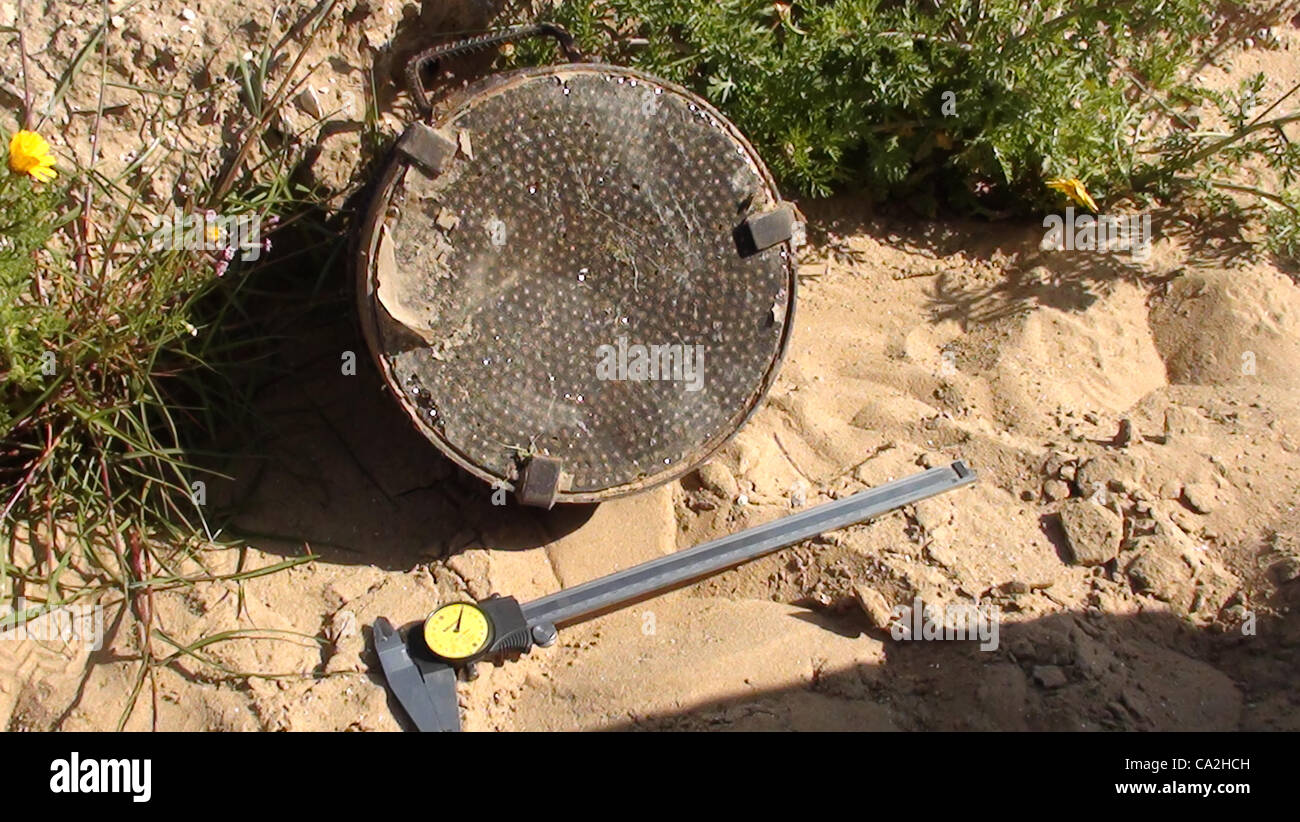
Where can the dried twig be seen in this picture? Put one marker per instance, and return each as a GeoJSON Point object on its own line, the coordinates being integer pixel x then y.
{"type": "Point", "coordinates": [22, 56]}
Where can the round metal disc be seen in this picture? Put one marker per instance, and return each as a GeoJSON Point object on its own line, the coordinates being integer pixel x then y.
{"type": "Point", "coordinates": [565, 275]}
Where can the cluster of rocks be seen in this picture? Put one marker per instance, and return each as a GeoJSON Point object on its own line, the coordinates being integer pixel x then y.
{"type": "Point", "coordinates": [1110, 521]}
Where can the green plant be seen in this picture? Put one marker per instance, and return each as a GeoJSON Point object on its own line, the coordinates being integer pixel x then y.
{"type": "Point", "coordinates": [1245, 160]}
{"type": "Point", "coordinates": [972, 104]}
{"type": "Point", "coordinates": [123, 358]}
{"type": "Point", "coordinates": [1283, 225]}
{"type": "Point", "coordinates": [853, 92]}
{"type": "Point", "coordinates": [28, 219]}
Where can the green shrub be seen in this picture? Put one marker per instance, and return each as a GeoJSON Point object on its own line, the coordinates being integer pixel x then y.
{"type": "Point", "coordinates": [28, 219]}
{"type": "Point", "coordinates": [102, 338]}
{"type": "Point", "coordinates": [127, 361]}
{"type": "Point", "coordinates": [850, 94]}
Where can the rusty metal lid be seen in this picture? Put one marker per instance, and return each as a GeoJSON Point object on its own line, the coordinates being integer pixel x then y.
{"type": "Point", "coordinates": [579, 280]}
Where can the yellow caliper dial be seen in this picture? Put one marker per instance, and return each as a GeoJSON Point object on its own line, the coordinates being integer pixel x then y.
{"type": "Point", "coordinates": [457, 631]}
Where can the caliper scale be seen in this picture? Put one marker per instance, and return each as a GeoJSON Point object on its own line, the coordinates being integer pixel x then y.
{"type": "Point", "coordinates": [421, 662]}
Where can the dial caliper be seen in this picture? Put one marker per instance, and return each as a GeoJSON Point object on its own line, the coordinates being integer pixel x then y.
{"type": "Point", "coordinates": [421, 661]}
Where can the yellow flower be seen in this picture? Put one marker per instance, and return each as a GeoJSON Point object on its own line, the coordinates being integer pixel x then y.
{"type": "Point", "coordinates": [1074, 189]}
{"type": "Point", "coordinates": [30, 154]}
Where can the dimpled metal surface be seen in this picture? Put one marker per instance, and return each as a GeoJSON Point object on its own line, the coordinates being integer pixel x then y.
{"type": "Point", "coordinates": [584, 204]}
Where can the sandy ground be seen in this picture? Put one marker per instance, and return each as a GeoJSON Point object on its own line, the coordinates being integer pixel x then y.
{"type": "Point", "coordinates": [1124, 567]}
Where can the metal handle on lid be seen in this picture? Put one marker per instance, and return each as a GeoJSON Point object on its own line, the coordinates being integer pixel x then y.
{"type": "Point", "coordinates": [418, 64]}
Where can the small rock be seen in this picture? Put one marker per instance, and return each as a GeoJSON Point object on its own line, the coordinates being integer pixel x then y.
{"type": "Point", "coordinates": [874, 606]}
{"type": "Point", "coordinates": [748, 456]}
{"type": "Point", "coordinates": [1125, 435]}
{"type": "Point", "coordinates": [306, 100]}
{"type": "Point", "coordinates": [1121, 486]}
{"type": "Point", "coordinates": [1162, 577]}
{"type": "Point", "coordinates": [1199, 497]}
{"type": "Point", "coordinates": [1118, 471]}
{"type": "Point", "coordinates": [1049, 676]}
{"type": "Point", "coordinates": [1056, 489]}
{"type": "Point", "coordinates": [1061, 465]}
{"type": "Point", "coordinates": [1185, 521]}
{"type": "Point", "coordinates": [334, 598]}
{"type": "Point", "coordinates": [1092, 533]}
{"type": "Point", "coordinates": [715, 477]}
{"type": "Point", "coordinates": [834, 538]}
{"type": "Point", "coordinates": [342, 625]}
{"type": "Point", "coordinates": [799, 494]}
{"type": "Point", "coordinates": [447, 219]}
{"type": "Point", "coordinates": [698, 503]}
{"type": "Point", "coordinates": [1180, 420]}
